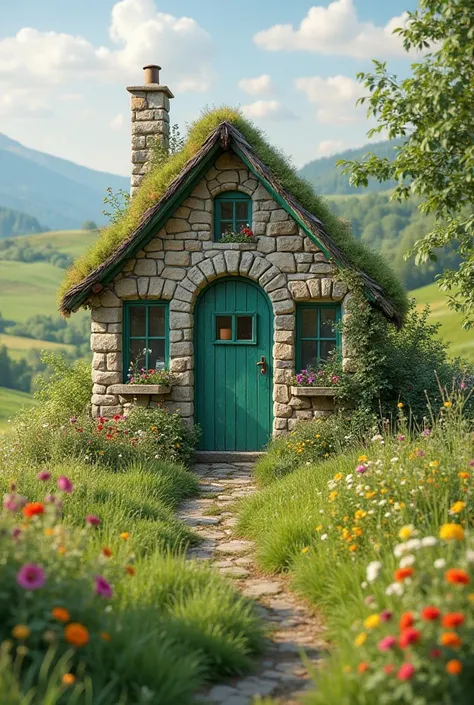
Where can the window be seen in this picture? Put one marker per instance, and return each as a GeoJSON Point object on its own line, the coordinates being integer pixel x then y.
{"type": "Point", "coordinates": [316, 335]}
{"type": "Point", "coordinates": [235, 328]}
{"type": "Point", "coordinates": [145, 334]}
{"type": "Point", "coordinates": [232, 211]}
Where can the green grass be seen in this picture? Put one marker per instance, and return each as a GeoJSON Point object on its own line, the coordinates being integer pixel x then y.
{"type": "Point", "coordinates": [461, 342]}
{"type": "Point", "coordinates": [11, 402]}
{"type": "Point", "coordinates": [28, 289]}
{"type": "Point", "coordinates": [69, 242]}
{"type": "Point", "coordinates": [18, 347]}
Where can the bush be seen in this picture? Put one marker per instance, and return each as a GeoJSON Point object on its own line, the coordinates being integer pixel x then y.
{"type": "Point", "coordinates": [67, 392]}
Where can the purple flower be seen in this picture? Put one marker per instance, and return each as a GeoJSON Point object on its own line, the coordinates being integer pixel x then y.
{"type": "Point", "coordinates": [65, 484]}
{"type": "Point", "coordinates": [31, 576]}
{"type": "Point", "coordinates": [400, 437]}
{"type": "Point", "coordinates": [387, 643]}
{"type": "Point", "coordinates": [43, 475]}
{"type": "Point", "coordinates": [16, 532]}
{"type": "Point", "coordinates": [73, 419]}
{"type": "Point", "coordinates": [426, 432]}
{"type": "Point", "coordinates": [50, 499]}
{"type": "Point", "coordinates": [92, 520]}
{"type": "Point", "coordinates": [13, 502]}
{"type": "Point", "coordinates": [471, 463]}
{"type": "Point", "coordinates": [103, 587]}
{"type": "Point", "coordinates": [361, 469]}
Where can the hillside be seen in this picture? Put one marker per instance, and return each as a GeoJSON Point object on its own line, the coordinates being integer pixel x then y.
{"type": "Point", "coordinates": [14, 223]}
{"type": "Point", "coordinates": [326, 178]}
{"type": "Point", "coordinates": [11, 401]}
{"type": "Point", "coordinates": [55, 191]}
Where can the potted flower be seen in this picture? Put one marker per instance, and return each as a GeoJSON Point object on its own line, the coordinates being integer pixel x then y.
{"type": "Point", "coordinates": [141, 380]}
{"type": "Point", "coordinates": [322, 380]}
{"type": "Point", "coordinates": [245, 234]}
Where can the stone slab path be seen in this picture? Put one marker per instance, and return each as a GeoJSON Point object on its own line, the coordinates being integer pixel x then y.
{"type": "Point", "coordinates": [291, 626]}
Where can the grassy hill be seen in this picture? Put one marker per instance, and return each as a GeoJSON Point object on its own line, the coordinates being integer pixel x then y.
{"type": "Point", "coordinates": [11, 402]}
{"type": "Point", "coordinates": [18, 346]}
{"type": "Point", "coordinates": [461, 342]}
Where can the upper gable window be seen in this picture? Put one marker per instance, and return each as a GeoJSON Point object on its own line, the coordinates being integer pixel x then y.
{"type": "Point", "coordinates": [232, 211]}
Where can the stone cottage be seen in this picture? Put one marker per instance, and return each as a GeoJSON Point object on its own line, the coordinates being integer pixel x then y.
{"type": "Point", "coordinates": [233, 321]}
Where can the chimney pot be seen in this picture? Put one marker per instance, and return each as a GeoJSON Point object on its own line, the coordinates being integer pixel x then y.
{"type": "Point", "coordinates": [152, 74]}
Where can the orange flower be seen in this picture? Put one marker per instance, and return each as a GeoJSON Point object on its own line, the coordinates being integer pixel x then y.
{"type": "Point", "coordinates": [33, 509]}
{"type": "Point", "coordinates": [450, 639]}
{"type": "Point", "coordinates": [406, 620]}
{"type": "Point", "coordinates": [124, 535]}
{"type": "Point", "coordinates": [429, 614]}
{"type": "Point", "coordinates": [76, 634]}
{"type": "Point", "coordinates": [402, 573]}
{"type": "Point", "coordinates": [130, 570]}
{"type": "Point", "coordinates": [105, 636]}
{"type": "Point", "coordinates": [69, 679]}
{"type": "Point", "coordinates": [106, 551]}
{"type": "Point", "coordinates": [62, 550]}
{"type": "Point", "coordinates": [452, 620]}
{"type": "Point", "coordinates": [61, 614]}
{"type": "Point", "coordinates": [454, 667]}
{"type": "Point", "coordinates": [363, 667]}
{"type": "Point", "coordinates": [463, 475]}
{"type": "Point", "coordinates": [457, 576]}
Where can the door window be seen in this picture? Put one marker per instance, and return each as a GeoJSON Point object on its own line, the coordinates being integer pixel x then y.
{"type": "Point", "coordinates": [234, 328]}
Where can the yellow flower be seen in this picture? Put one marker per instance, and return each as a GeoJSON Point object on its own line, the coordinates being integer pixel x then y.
{"type": "Point", "coordinates": [48, 532]}
{"type": "Point", "coordinates": [319, 527]}
{"type": "Point", "coordinates": [332, 496]}
{"type": "Point", "coordinates": [434, 464]}
{"type": "Point", "coordinates": [338, 476]}
{"type": "Point", "coordinates": [372, 621]}
{"type": "Point", "coordinates": [360, 639]}
{"type": "Point", "coordinates": [68, 678]}
{"type": "Point", "coordinates": [346, 669]}
{"type": "Point", "coordinates": [400, 405]}
{"type": "Point", "coordinates": [406, 531]}
{"type": "Point", "coordinates": [457, 507]}
{"type": "Point", "coordinates": [470, 597]}
{"type": "Point", "coordinates": [21, 631]}
{"type": "Point", "coordinates": [305, 549]}
{"type": "Point", "coordinates": [353, 547]}
{"type": "Point", "coordinates": [362, 459]}
{"type": "Point", "coordinates": [450, 532]}
{"type": "Point", "coordinates": [369, 495]}
{"type": "Point", "coordinates": [447, 404]}
{"type": "Point", "coordinates": [360, 514]}
{"type": "Point", "coordinates": [124, 535]}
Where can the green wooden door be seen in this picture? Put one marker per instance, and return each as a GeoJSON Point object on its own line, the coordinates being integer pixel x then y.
{"type": "Point", "coordinates": [233, 399]}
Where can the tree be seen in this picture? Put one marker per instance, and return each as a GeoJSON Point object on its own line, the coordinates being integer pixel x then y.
{"type": "Point", "coordinates": [89, 225]}
{"type": "Point", "coordinates": [432, 111]}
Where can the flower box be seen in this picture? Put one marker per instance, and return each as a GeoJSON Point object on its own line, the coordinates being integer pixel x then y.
{"type": "Point", "coordinates": [313, 391]}
{"type": "Point", "coordinates": [139, 389]}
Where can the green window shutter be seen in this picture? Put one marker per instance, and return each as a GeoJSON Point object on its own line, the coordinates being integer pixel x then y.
{"type": "Point", "coordinates": [232, 210]}
{"type": "Point", "coordinates": [145, 334]}
{"type": "Point", "coordinates": [316, 332]}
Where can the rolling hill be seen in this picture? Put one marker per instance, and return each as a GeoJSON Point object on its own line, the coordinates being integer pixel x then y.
{"type": "Point", "coordinates": [57, 192]}
{"type": "Point", "coordinates": [14, 223]}
{"type": "Point", "coordinates": [11, 402]}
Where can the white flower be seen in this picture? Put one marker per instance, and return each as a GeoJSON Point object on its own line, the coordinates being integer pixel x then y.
{"type": "Point", "coordinates": [372, 571]}
{"type": "Point", "coordinates": [439, 563]}
{"type": "Point", "coordinates": [403, 482]}
{"type": "Point", "coordinates": [349, 477]}
{"type": "Point", "coordinates": [324, 537]}
{"type": "Point", "coordinates": [400, 549]}
{"type": "Point", "coordinates": [382, 503]}
{"type": "Point", "coordinates": [364, 585]}
{"type": "Point", "coordinates": [387, 515]}
{"type": "Point", "coordinates": [377, 437]}
{"type": "Point", "coordinates": [413, 544]}
{"type": "Point", "coordinates": [394, 589]}
{"type": "Point", "coordinates": [394, 460]}
{"type": "Point", "coordinates": [371, 511]}
{"type": "Point", "coordinates": [407, 560]}
{"type": "Point", "coordinates": [470, 556]}
{"type": "Point", "coordinates": [429, 541]}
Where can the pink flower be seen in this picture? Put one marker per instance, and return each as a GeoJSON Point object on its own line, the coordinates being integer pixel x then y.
{"type": "Point", "coordinates": [386, 615]}
{"type": "Point", "coordinates": [361, 469]}
{"type": "Point", "coordinates": [31, 576]}
{"type": "Point", "coordinates": [43, 475]}
{"type": "Point", "coordinates": [401, 437]}
{"type": "Point", "coordinates": [405, 672]}
{"type": "Point", "coordinates": [103, 587]}
{"type": "Point", "coordinates": [92, 520]}
{"type": "Point", "coordinates": [65, 484]}
{"type": "Point", "coordinates": [13, 502]}
{"type": "Point", "coordinates": [73, 419]}
{"type": "Point", "coordinates": [335, 379]}
{"type": "Point", "coordinates": [387, 643]}
{"type": "Point", "coordinates": [471, 463]}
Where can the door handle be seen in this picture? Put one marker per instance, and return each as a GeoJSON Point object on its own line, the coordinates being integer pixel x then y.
{"type": "Point", "coordinates": [262, 364]}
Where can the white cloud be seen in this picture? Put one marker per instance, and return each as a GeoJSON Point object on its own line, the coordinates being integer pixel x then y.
{"type": "Point", "coordinates": [141, 35]}
{"type": "Point", "coordinates": [117, 123]}
{"type": "Point", "coordinates": [22, 102]}
{"type": "Point", "coordinates": [335, 30]}
{"type": "Point", "coordinates": [268, 109]}
{"type": "Point", "coordinates": [335, 96]}
{"type": "Point", "coordinates": [261, 85]}
{"type": "Point", "coordinates": [328, 147]}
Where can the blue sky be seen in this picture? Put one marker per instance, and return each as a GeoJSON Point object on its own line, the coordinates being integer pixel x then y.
{"type": "Point", "coordinates": [291, 66]}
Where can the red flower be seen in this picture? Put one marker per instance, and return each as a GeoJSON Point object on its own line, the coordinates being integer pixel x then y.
{"type": "Point", "coordinates": [388, 669]}
{"type": "Point", "coordinates": [100, 426]}
{"type": "Point", "coordinates": [429, 614]}
{"type": "Point", "coordinates": [402, 573]}
{"type": "Point", "coordinates": [406, 672]}
{"type": "Point", "coordinates": [409, 636]}
{"type": "Point", "coordinates": [457, 576]}
{"type": "Point", "coordinates": [453, 619]}
{"type": "Point", "coordinates": [435, 653]}
{"type": "Point", "coordinates": [406, 620]}
{"type": "Point", "coordinates": [33, 509]}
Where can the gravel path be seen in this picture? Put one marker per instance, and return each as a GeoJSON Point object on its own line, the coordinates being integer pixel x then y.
{"type": "Point", "coordinates": [292, 628]}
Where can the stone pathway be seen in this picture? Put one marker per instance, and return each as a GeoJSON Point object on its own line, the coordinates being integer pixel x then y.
{"type": "Point", "coordinates": [292, 628]}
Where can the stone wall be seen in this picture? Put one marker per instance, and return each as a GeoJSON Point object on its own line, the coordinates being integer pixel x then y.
{"type": "Point", "coordinates": [183, 258]}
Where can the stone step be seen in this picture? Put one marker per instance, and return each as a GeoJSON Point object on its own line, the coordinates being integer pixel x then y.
{"type": "Point", "coordinates": [227, 456]}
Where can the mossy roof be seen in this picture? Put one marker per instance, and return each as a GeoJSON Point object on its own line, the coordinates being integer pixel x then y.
{"type": "Point", "coordinates": [167, 185]}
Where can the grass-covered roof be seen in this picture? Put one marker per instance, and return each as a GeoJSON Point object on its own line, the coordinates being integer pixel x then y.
{"type": "Point", "coordinates": [220, 129]}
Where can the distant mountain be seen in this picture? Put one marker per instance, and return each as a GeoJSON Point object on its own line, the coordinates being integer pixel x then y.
{"type": "Point", "coordinates": [327, 178]}
{"type": "Point", "coordinates": [14, 223]}
{"type": "Point", "coordinates": [57, 192]}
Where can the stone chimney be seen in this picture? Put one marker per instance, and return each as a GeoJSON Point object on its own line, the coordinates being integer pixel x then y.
{"type": "Point", "coordinates": [150, 108]}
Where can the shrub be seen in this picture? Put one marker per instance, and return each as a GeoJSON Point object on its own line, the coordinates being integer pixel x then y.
{"type": "Point", "coordinates": [67, 392]}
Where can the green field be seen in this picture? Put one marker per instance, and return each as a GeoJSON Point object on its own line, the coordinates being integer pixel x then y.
{"type": "Point", "coordinates": [461, 342]}
{"type": "Point", "coordinates": [69, 242]}
{"type": "Point", "coordinates": [11, 401]}
{"type": "Point", "coordinates": [18, 347]}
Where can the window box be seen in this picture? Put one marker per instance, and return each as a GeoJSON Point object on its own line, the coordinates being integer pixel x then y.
{"type": "Point", "coordinates": [231, 245]}
{"type": "Point", "coordinates": [313, 391]}
{"type": "Point", "coordinates": [139, 389]}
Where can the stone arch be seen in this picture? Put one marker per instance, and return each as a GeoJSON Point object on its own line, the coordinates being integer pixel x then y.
{"type": "Point", "coordinates": [230, 186]}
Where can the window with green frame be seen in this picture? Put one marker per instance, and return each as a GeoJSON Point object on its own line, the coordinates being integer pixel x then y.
{"type": "Point", "coordinates": [232, 210]}
{"type": "Point", "coordinates": [145, 334]}
{"type": "Point", "coordinates": [316, 334]}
